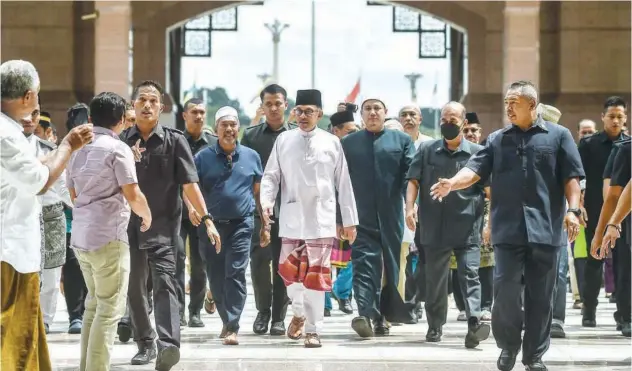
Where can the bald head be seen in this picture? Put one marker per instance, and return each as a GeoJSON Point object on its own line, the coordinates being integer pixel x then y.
{"type": "Point", "coordinates": [455, 107]}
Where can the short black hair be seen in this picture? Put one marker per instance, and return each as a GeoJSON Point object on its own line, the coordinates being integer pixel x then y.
{"type": "Point", "coordinates": [107, 109]}
{"type": "Point", "coordinates": [77, 115]}
{"type": "Point", "coordinates": [614, 101]}
{"type": "Point", "coordinates": [273, 89]}
{"type": "Point", "coordinates": [192, 101]}
{"type": "Point", "coordinates": [155, 84]}
{"type": "Point", "coordinates": [129, 106]}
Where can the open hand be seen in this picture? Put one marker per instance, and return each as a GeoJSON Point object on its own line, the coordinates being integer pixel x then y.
{"type": "Point", "coordinates": [441, 189]}
{"type": "Point", "coordinates": [411, 219]}
{"type": "Point", "coordinates": [571, 225]}
{"type": "Point", "coordinates": [213, 236]}
{"type": "Point", "coordinates": [195, 217]}
{"type": "Point", "coordinates": [609, 240]}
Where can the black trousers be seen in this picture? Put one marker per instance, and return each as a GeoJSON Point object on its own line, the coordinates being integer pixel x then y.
{"type": "Point", "coordinates": [150, 288]}
{"type": "Point", "coordinates": [75, 289]}
{"type": "Point", "coordinates": [437, 277]}
{"type": "Point", "coordinates": [227, 270]}
{"type": "Point", "coordinates": [538, 263]}
{"type": "Point", "coordinates": [486, 276]}
{"type": "Point", "coordinates": [270, 291]}
{"type": "Point", "coordinates": [593, 278]}
{"type": "Point", "coordinates": [197, 280]}
{"type": "Point", "coordinates": [162, 264]}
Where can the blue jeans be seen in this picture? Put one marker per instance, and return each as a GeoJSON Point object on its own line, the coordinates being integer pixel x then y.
{"type": "Point", "coordinates": [342, 286]}
{"type": "Point", "coordinates": [559, 294]}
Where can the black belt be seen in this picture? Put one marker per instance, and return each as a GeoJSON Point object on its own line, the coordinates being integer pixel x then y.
{"type": "Point", "coordinates": [230, 221]}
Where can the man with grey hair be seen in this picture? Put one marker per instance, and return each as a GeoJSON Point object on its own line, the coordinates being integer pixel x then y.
{"type": "Point", "coordinates": [410, 117]}
{"type": "Point", "coordinates": [586, 127]}
{"type": "Point", "coordinates": [24, 177]}
{"type": "Point", "coordinates": [230, 175]}
{"type": "Point", "coordinates": [534, 165]}
{"type": "Point", "coordinates": [455, 226]}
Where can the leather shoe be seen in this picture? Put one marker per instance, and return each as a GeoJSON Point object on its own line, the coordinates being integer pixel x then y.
{"type": "Point", "coordinates": [260, 326]}
{"type": "Point", "coordinates": [345, 306]}
{"type": "Point", "coordinates": [434, 335]}
{"type": "Point", "coordinates": [380, 328]}
{"type": "Point", "coordinates": [167, 358]}
{"type": "Point", "coordinates": [195, 321]}
{"type": "Point", "coordinates": [536, 366]}
{"type": "Point", "coordinates": [146, 353]}
{"type": "Point", "coordinates": [277, 328]}
{"type": "Point", "coordinates": [506, 360]}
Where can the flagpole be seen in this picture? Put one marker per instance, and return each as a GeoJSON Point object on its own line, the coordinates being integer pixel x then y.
{"type": "Point", "coordinates": [313, 44]}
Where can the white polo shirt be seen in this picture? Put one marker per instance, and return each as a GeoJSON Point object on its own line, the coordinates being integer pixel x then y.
{"type": "Point", "coordinates": [22, 176]}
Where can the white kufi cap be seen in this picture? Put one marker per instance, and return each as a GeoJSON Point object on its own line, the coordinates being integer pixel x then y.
{"type": "Point", "coordinates": [226, 111]}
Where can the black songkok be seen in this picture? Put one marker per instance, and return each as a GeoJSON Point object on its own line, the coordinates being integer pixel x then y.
{"type": "Point", "coordinates": [309, 97]}
{"type": "Point", "coordinates": [340, 118]}
{"type": "Point", "coordinates": [471, 118]}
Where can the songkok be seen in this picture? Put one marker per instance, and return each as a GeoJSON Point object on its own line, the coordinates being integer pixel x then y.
{"type": "Point", "coordinates": [45, 119]}
{"type": "Point", "coordinates": [226, 112]}
{"type": "Point", "coordinates": [472, 118]}
{"type": "Point", "coordinates": [377, 99]}
{"type": "Point", "coordinates": [393, 124]}
{"type": "Point", "coordinates": [549, 113]}
{"type": "Point", "coordinates": [311, 97]}
{"type": "Point", "coordinates": [340, 118]}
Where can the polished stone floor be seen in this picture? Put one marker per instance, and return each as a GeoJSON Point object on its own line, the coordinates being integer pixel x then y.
{"type": "Point", "coordinates": [601, 348]}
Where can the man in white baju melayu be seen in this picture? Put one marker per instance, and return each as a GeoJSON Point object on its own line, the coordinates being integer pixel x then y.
{"type": "Point", "coordinates": [309, 166]}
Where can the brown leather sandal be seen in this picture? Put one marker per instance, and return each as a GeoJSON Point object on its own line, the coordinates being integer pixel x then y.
{"type": "Point", "coordinates": [231, 339]}
{"type": "Point", "coordinates": [224, 332]}
{"type": "Point", "coordinates": [312, 341]}
{"type": "Point", "coordinates": [295, 329]}
{"type": "Point", "coordinates": [209, 305]}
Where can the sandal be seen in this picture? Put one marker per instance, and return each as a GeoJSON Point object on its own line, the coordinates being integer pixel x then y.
{"type": "Point", "coordinates": [209, 305]}
{"type": "Point", "coordinates": [231, 339]}
{"type": "Point", "coordinates": [224, 332]}
{"type": "Point", "coordinates": [295, 329]}
{"type": "Point", "coordinates": [312, 341]}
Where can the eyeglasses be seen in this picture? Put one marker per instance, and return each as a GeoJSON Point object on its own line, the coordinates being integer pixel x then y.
{"type": "Point", "coordinates": [473, 130]}
{"type": "Point", "coordinates": [307, 112]}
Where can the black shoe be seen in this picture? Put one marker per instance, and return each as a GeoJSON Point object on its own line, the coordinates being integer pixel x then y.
{"type": "Point", "coordinates": [535, 366]}
{"type": "Point", "coordinates": [146, 353]}
{"type": "Point", "coordinates": [195, 321]}
{"type": "Point", "coordinates": [506, 360]}
{"type": "Point", "coordinates": [589, 322]}
{"type": "Point", "coordinates": [183, 321]}
{"type": "Point", "coordinates": [557, 331]}
{"type": "Point", "coordinates": [612, 299]}
{"type": "Point", "coordinates": [262, 321]}
{"type": "Point", "coordinates": [277, 328]}
{"type": "Point", "coordinates": [124, 332]}
{"type": "Point", "coordinates": [167, 358]}
{"type": "Point", "coordinates": [327, 312]}
{"type": "Point", "coordinates": [476, 332]}
{"type": "Point", "coordinates": [626, 329]}
{"type": "Point", "coordinates": [380, 328]}
{"type": "Point", "coordinates": [344, 305]}
{"type": "Point", "coordinates": [362, 327]}
{"type": "Point", "coordinates": [434, 335]}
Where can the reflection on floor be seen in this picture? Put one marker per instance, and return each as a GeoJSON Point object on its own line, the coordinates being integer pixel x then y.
{"type": "Point", "coordinates": [600, 348]}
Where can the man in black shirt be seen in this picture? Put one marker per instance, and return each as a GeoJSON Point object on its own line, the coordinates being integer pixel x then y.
{"type": "Point", "coordinates": [454, 225]}
{"type": "Point", "coordinates": [270, 293]}
{"type": "Point", "coordinates": [594, 151]}
{"type": "Point", "coordinates": [620, 171]}
{"type": "Point", "coordinates": [534, 165]}
{"type": "Point", "coordinates": [194, 119]}
{"type": "Point", "coordinates": [164, 167]}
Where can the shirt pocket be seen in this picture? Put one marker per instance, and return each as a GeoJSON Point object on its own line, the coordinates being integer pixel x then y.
{"type": "Point", "coordinates": [544, 158]}
{"type": "Point", "coordinates": [159, 166]}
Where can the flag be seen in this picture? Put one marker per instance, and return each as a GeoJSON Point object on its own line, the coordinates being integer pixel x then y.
{"type": "Point", "coordinates": [351, 98]}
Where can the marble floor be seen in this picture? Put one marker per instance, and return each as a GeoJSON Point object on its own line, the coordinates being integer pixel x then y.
{"type": "Point", "coordinates": [601, 348]}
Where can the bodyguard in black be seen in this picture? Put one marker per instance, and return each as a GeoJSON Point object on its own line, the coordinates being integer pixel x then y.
{"type": "Point", "coordinates": [230, 175]}
{"type": "Point", "coordinates": [453, 225]}
{"type": "Point", "coordinates": [164, 167]}
{"type": "Point", "coordinates": [594, 151]}
{"type": "Point", "coordinates": [194, 119]}
{"type": "Point", "coordinates": [533, 165]}
{"type": "Point", "coordinates": [268, 286]}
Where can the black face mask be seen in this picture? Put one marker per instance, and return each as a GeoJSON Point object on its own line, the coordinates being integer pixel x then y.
{"type": "Point", "coordinates": [450, 131]}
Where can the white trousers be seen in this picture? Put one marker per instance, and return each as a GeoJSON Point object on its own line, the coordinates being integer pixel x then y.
{"type": "Point", "coordinates": [571, 269]}
{"type": "Point", "coordinates": [309, 304]}
{"type": "Point", "coordinates": [49, 293]}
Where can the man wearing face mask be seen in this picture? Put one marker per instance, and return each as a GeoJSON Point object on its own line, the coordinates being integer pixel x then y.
{"type": "Point", "coordinates": [378, 160]}
{"type": "Point", "coordinates": [454, 225]}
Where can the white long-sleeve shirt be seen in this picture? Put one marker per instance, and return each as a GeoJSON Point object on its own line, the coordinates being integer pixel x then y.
{"type": "Point", "coordinates": [58, 192]}
{"type": "Point", "coordinates": [309, 167]}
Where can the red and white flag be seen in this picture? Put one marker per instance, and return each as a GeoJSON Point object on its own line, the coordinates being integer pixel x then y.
{"type": "Point", "coordinates": [351, 98]}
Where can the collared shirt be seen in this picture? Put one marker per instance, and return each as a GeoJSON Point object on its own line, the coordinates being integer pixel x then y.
{"type": "Point", "coordinates": [22, 177]}
{"type": "Point", "coordinates": [308, 168]}
{"type": "Point", "coordinates": [204, 141]}
{"type": "Point", "coordinates": [621, 177]}
{"type": "Point", "coordinates": [529, 170]}
{"type": "Point", "coordinates": [607, 170]}
{"type": "Point", "coordinates": [594, 151]}
{"type": "Point", "coordinates": [97, 172]}
{"type": "Point", "coordinates": [227, 184]}
{"type": "Point", "coordinates": [457, 221]}
{"type": "Point", "coordinates": [58, 192]}
{"type": "Point", "coordinates": [165, 166]}
{"type": "Point", "coordinates": [261, 138]}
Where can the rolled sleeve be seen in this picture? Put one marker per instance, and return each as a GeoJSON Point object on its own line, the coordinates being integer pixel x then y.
{"type": "Point", "coordinates": [570, 162]}
{"type": "Point", "coordinates": [124, 166]}
{"type": "Point", "coordinates": [20, 169]}
{"type": "Point", "coordinates": [185, 167]}
{"type": "Point", "coordinates": [482, 163]}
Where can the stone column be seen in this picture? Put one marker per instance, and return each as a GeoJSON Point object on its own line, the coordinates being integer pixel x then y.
{"type": "Point", "coordinates": [111, 62]}
{"type": "Point", "coordinates": [521, 42]}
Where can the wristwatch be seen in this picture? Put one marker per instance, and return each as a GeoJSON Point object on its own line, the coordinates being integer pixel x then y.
{"type": "Point", "coordinates": [577, 212]}
{"type": "Point", "coordinates": [617, 227]}
{"type": "Point", "coordinates": [207, 217]}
